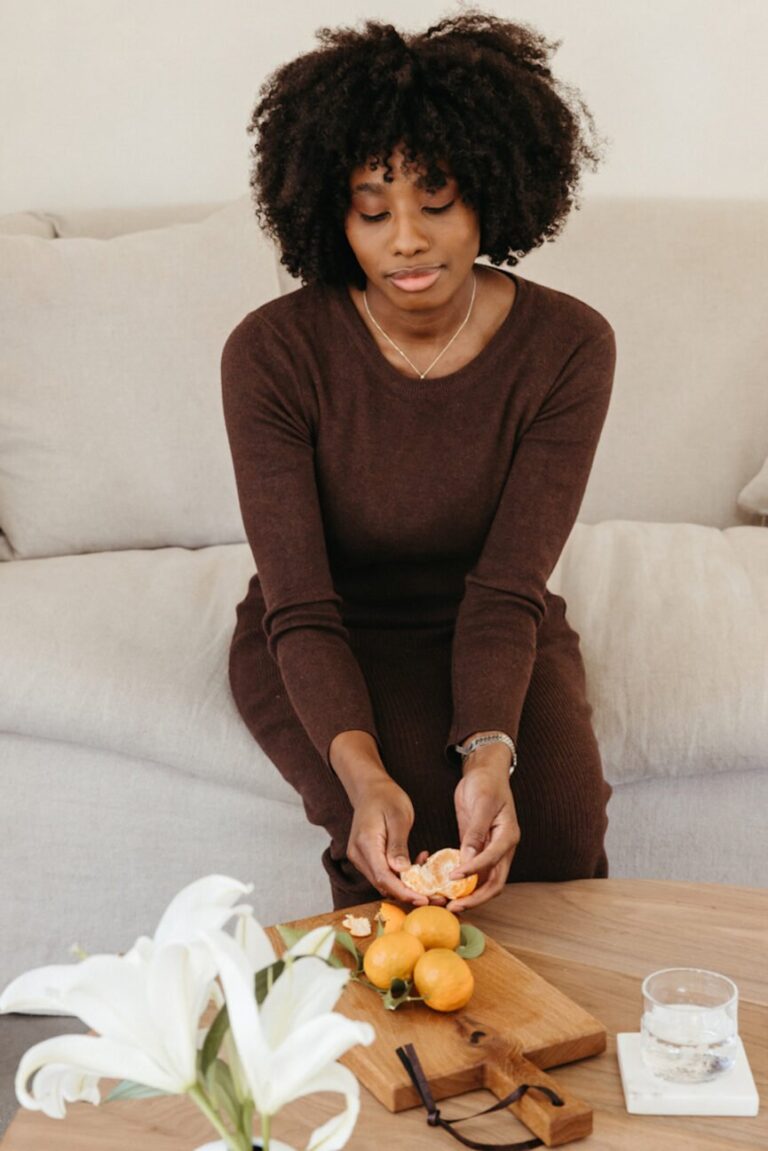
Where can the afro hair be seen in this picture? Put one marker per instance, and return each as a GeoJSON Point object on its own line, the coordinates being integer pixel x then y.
{"type": "Point", "coordinates": [473, 90]}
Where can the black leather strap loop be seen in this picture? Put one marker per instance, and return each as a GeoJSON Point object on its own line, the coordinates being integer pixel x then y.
{"type": "Point", "coordinates": [410, 1061]}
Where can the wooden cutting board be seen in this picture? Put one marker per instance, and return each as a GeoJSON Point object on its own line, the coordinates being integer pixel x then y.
{"type": "Point", "coordinates": [515, 1025]}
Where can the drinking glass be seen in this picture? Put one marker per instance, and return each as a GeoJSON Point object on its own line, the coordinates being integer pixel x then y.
{"type": "Point", "coordinates": [689, 1031]}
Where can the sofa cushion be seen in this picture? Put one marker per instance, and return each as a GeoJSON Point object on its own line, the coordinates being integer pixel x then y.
{"type": "Point", "coordinates": [128, 651]}
{"type": "Point", "coordinates": [754, 497]}
{"type": "Point", "coordinates": [674, 627]}
{"type": "Point", "coordinates": [111, 429]}
{"type": "Point", "coordinates": [27, 224]}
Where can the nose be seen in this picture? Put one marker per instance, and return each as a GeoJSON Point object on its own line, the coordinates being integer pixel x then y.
{"type": "Point", "coordinates": [409, 235]}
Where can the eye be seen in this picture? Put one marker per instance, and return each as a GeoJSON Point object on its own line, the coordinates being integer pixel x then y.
{"type": "Point", "coordinates": [381, 215]}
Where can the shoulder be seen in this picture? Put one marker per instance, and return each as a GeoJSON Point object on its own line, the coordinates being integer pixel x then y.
{"type": "Point", "coordinates": [286, 325]}
{"type": "Point", "coordinates": [567, 319]}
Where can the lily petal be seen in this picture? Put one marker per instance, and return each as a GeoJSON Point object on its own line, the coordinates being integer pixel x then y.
{"type": "Point", "coordinates": [308, 1050]}
{"type": "Point", "coordinates": [178, 989]}
{"type": "Point", "coordinates": [39, 991]}
{"type": "Point", "coordinates": [237, 977]}
{"type": "Point", "coordinates": [110, 996]}
{"type": "Point", "coordinates": [56, 1083]}
{"type": "Point", "coordinates": [96, 1056]}
{"type": "Point", "coordinates": [305, 988]}
{"type": "Point", "coordinates": [334, 1134]}
{"type": "Point", "coordinates": [319, 941]}
{"type": "Point", "coordinates": [204, 905]}
{"type": "Point", "coordinates": [253, 939]}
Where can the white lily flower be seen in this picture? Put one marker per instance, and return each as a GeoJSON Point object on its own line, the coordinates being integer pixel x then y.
{"type": "Point", "coordinates": [146, 1016]}
{"type": "Point", "coordinates": [57, 1083]}
{"type": "Point", "coordinates": [205, 905]}
{"type": "Point", "coordinates": [289, 1046]}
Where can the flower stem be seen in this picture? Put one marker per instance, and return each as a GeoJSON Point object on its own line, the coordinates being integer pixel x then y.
{"type": "Point", "coordinates": [266, 1123]}
{"type": "Point", "coordinates": [233, 1141]}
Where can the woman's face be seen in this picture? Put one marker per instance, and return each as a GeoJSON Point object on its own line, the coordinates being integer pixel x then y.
{"type": "Point", "coordinates": [401, 225]}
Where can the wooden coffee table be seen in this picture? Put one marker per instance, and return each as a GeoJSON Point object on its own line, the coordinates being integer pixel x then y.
{"type": "Point", "coordinates": [595, 940]}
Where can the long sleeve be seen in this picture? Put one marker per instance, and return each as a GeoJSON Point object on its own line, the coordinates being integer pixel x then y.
{"type": "Point", "coordinates": [494, 644]}
{"type": "Point", "coordinates": [270, 426]}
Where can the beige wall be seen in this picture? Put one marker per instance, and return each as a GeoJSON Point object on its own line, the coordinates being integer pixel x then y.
{"type": "Point", "coordinates": [133, 102]}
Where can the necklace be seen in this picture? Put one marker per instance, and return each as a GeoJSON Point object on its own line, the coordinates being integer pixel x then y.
{"type": "Point", "coordinates": [421, 375]}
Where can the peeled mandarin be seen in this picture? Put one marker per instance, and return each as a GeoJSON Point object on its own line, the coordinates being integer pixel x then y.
{"type": "Point", "coordinates": [432, 876]}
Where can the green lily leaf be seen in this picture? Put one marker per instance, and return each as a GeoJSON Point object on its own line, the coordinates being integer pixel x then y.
{"type": "Point", "coordinates": [213, 1040]}
{"type": "Point", "coordinates": [221, 1089]}
{"type": "Point", "coordinates": [265, 978]}
{"type": "Point", "coordinates": [130, 1090]}
{"type": "Point", "coordinates": [472, 942]}
{"type": "Point", "coordinates": [290, 935]}
{"type": "Point", "coordinates": [347, 942]}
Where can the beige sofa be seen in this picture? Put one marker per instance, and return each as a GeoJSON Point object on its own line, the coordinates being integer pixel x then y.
{"type": "Point", "coordinates": [126, 771]}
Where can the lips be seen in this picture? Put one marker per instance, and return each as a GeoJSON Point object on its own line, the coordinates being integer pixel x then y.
{"type": "Point", "coordinates": [416, 280]}
{"type": "Point", "coordinates": [413, 273]}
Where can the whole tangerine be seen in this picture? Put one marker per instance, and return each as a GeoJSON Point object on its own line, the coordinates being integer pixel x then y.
{"type": "Point", "coordinates": [390, 957]}
{"type": "Point", "coordinates": [434, 926]}
{"type": "Point", "coordinates": [443, 979]}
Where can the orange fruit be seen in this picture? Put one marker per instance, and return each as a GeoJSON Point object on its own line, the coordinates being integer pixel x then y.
{"type": "Point", "coordinates": [434, 926]}
{"type": "Point", "coordinates": [443, 979]}
{"type": "Point", "coordinates": [391, 917]}
{"type": "Point", "coordinates": [431, 878]}
{"type": "Point", "coordinates": [391, 956]}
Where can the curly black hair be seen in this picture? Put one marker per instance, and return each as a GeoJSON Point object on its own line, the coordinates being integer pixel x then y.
{"type": "Point", "coordinates": [473, 90]}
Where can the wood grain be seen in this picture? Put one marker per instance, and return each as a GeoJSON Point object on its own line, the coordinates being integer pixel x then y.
{"type": "Point", "coordinates": [592, 939]}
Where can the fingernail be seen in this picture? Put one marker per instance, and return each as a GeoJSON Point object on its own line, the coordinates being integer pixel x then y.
{"type": "Point", "coordinates": [401, 863]}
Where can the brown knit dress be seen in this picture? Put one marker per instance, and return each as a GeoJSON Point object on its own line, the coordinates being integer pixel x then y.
{"type": "Point", "coordinates": [403, 532]}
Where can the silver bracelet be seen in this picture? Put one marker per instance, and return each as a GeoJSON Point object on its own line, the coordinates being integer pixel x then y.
{"type": "Point", "coordinates": [480, 740]}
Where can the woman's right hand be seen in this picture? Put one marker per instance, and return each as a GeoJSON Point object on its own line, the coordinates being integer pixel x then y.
{"type": "Point", "coordinates": [378, 840]}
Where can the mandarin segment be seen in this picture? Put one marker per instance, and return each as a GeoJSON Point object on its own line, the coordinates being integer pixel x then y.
{"type": "Point", "coordinates": [432, 876]}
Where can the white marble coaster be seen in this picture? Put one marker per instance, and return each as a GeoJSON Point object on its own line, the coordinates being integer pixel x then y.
{"type": "Point", "coordinates": [734, 1093]}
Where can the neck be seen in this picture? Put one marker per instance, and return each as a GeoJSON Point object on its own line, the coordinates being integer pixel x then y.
{"type": "Point", "coordinates": [419, 325]}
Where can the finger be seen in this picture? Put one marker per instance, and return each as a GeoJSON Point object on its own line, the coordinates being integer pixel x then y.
{"type": "Point", "coordinates": [500, 847]}
{"type": "Point", "coordinates": [492, 885]}
{"type": "Point", "coordinates": [388, 882]}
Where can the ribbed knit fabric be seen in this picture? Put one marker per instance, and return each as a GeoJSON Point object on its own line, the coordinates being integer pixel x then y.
{"type": "Point", "coordinates": [403, 532]}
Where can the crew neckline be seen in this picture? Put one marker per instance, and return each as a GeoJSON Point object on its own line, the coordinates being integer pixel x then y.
{"type": "Point", "coordinates": [378, 360]}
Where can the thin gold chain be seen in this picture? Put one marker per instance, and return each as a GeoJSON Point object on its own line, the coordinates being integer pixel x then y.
{"type": "Point", "coordinates": [421, 375]}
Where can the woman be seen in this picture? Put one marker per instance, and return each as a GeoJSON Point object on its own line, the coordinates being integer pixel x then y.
{"type": "Point", "coordinates": [412, 433]}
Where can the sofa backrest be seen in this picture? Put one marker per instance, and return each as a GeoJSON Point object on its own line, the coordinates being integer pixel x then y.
{"type": "Point", "coordinates": [685, 285]}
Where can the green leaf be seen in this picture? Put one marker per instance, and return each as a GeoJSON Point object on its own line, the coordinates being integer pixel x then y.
{"type": "Point", "coordinates": [347, 942]}
{"type": "Point", "coordinates": [265, 978]}
{"type": "Point", "coordinates": [399, 992]}
{"type": "Point", "coordinates": [472, 942]}
{"type": "Point", "coordinates": [221, 1090]}
{"type": "Point", "coordinates": [290, 935]}
{"type": "Point", "coordinates": [130, 1090]}
{"type": "Point", "coordinates": [213, 1040]}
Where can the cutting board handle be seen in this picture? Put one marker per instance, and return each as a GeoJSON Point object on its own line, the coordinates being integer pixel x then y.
{"type": "Point", "coordinates": [554, 1123]}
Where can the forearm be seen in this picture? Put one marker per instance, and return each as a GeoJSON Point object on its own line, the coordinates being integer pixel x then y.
{"type": "Point", "coordinates": [355, 757]}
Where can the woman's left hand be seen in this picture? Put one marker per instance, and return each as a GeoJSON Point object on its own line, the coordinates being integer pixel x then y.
{"type": "Point", "coordinates": [488, 829]}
